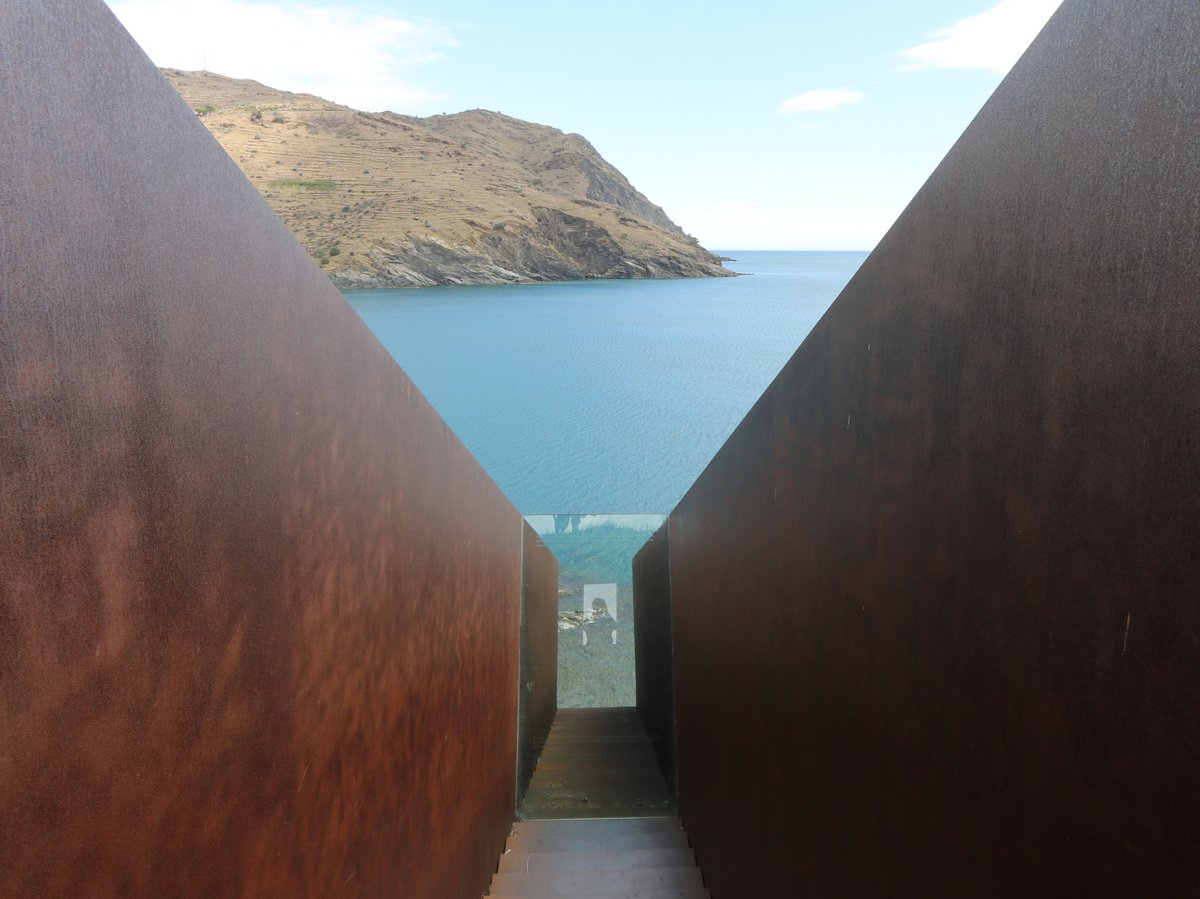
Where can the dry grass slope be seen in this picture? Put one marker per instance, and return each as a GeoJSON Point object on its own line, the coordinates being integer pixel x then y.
{"type": "Point", "coordinates": [381, 199]}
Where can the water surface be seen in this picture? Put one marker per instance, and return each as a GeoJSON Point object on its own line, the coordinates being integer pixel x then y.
{"type": "Point", "coordinates": [604, 396]}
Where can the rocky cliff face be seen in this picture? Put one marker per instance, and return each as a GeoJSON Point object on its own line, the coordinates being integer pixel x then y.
{"type": "Point", "coordinates": [556, 247]}
{"type": "Point", "coordinates": [477, 197]}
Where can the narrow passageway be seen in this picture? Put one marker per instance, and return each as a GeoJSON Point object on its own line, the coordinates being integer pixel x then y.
{"type": "Point", "coordinates": [598, 819]}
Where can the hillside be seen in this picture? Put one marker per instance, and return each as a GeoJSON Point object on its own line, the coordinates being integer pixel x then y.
{"type": "Point", "coordinates": [381, 199]}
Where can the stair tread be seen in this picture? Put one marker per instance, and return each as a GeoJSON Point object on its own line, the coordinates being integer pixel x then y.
{"type": "Point", "coordinates": [597, 763]}
{"type": "Point", "coordinates": [561, 787]}
{"type": "Point", "coordinates": [585, 793]}
{"type": "Point", "coordinates": [629, 859]}
{"type": "Point", "coordinates": [600, 819]}
{"type": "Point", "coordinates": [602, 772]}
{"type": "Point", "coordinates": [590, 748]}
{"type": "Point", "coordinates": [537, 827]}
{"type": "Point", "coordinates": [605, 842]}
{"type": "Point", "coordinates": [560, 754]}
{"type": "Point", "coordinates": [566, 812]}
{"type": "Point", "coordinates": [602, 766]}
{"type": "Point", "coordinates": [600, 778]}
{"type": "Point", "coordinates": [594, 893]}
{"type": "Point", "coordinates": [641, 743]}
{"type": "Point", "coordinates": [530, 891]}
{"type": "Point", "coordinates": [603, 878]}
{"type": "Point", "coordinates": [629, 737]}
{"type": "Point", "coordinates": [616, 758]}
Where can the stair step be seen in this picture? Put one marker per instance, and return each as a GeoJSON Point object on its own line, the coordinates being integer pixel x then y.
{"type": "Point", "coordinates": [602, 772]}
{"type": "Point", "coordinates": [573, 810]}
{"type": "Point", "coordinates": [585, 830]}
{"type": "Point", "coordinates": [625, 746]}
{"type": "Point", "coordinates": [604, 822]}
{"type": "Point", "coordinates": [611, 842]}
{"type": "Point", "coordinates": [600, 793]}
{"type": "Point", "coordinates": [560, 755]}
{"type": "Point", "coordinates": [603, 769]}
{"type": "Point", "coordinates": [585, 793]}
{"type": "Point", "coordinates": [610, 762]}
{"type": "Point", "coordinates": [600, 779]}
{"type": "Point", "coordinates": [608, 733]}
{"type": "Point", "coordinates": [618, 893]}
{"type": "Point", "coordinates": [599, 773]}
{"type": "Point", "coordinates": [597, 713]}
{"type": "Point", "coordinates": [592, 887]}
{"type": "Point", "coordinates": [597, 835]}
{"type": "Point", "coordinates": [629, 859]}
{"type": "Point", "coordinates": [563, 757]}
{"type": "Point", "coordinates": [587, 883]}
{"type": "Point", "coordinates": [632, 740]}
{"type": "Point", "coordinates": [605, 729]}
{"type": "Point", "coordinates": [605, 789]}
{"type": "Point", "coordinates": [628, 824]}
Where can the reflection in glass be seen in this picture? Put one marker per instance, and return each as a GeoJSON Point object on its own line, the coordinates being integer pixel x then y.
{"type": "Point", "coordinates": [595, 603]}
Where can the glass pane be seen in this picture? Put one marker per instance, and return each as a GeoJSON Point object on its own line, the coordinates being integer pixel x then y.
{"type": "Point", "coordinates": [595, 603]}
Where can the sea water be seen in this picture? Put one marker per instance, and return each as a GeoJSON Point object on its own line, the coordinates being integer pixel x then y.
{"type": "Point", "coordinates": [604, 396]}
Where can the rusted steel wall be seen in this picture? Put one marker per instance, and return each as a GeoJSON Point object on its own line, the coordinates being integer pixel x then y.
{"type": "Point", "coordinates": [538, 684]}
{"type": "Point", "coordinates": [936, 602]}
{"type": "Point", "coordinates": [259, 619]}
{"type": "Point", "coordinates": [652, 655]}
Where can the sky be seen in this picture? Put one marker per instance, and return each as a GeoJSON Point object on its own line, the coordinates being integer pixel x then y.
{"type": "Point", "coordinates": [763, 124]}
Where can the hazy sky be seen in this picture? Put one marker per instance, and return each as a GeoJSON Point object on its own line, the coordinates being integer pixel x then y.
{"type": "Point", "coordinates": [763, 124]}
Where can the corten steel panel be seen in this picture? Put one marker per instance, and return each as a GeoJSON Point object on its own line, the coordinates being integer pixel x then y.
{"type": "Point", "coordinates": [259, 617]}
{"type": "Point", "coordinates": [538, 685]}
{"type": "Point", "coordinates": [653, 660]}
{"type": "Point", "coordinates": [936, 601]}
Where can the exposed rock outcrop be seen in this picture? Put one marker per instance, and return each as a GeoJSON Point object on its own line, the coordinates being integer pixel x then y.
{"type": "Point", "coordinates": [477, 197]}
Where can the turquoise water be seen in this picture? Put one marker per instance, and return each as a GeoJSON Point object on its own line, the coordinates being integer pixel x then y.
{"type": "Point", "coordinates": [604, 395]}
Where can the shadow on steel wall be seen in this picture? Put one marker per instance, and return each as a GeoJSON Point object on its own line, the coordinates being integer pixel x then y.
{"type": "Point", "coordinates": [538, 685]}
{"type": "Point", "coordinates": [653, 653]}
{"type": "Point", "coordinates": [259, 619]}
{"type": "Point", "coordinates": [937, 600]}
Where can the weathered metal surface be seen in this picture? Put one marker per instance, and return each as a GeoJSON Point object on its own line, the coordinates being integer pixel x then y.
{"type": "Point", "coordinates": [259, 619]}
{"type": "Point", "coordinates": [936, 609]}
{"type": "Point", "coordinates": [655, 666]}
{"type": "Point", "coordinates": [538, 685]}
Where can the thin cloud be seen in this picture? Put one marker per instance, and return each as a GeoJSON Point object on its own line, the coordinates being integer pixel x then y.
{"type": "Point", "coordinates": [360, 58]}
{"type": "Point", "coordinates": [820, 100]}
{"type": "Point", "coordinates": [992, 40]}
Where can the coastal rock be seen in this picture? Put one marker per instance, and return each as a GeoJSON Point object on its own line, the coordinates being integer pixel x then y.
{"type": "Point", "coordinates": [385, 200]}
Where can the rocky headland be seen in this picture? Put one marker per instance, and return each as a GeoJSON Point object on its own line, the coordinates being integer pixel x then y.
{"type": "Point", "coordinates": [386, 200]}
